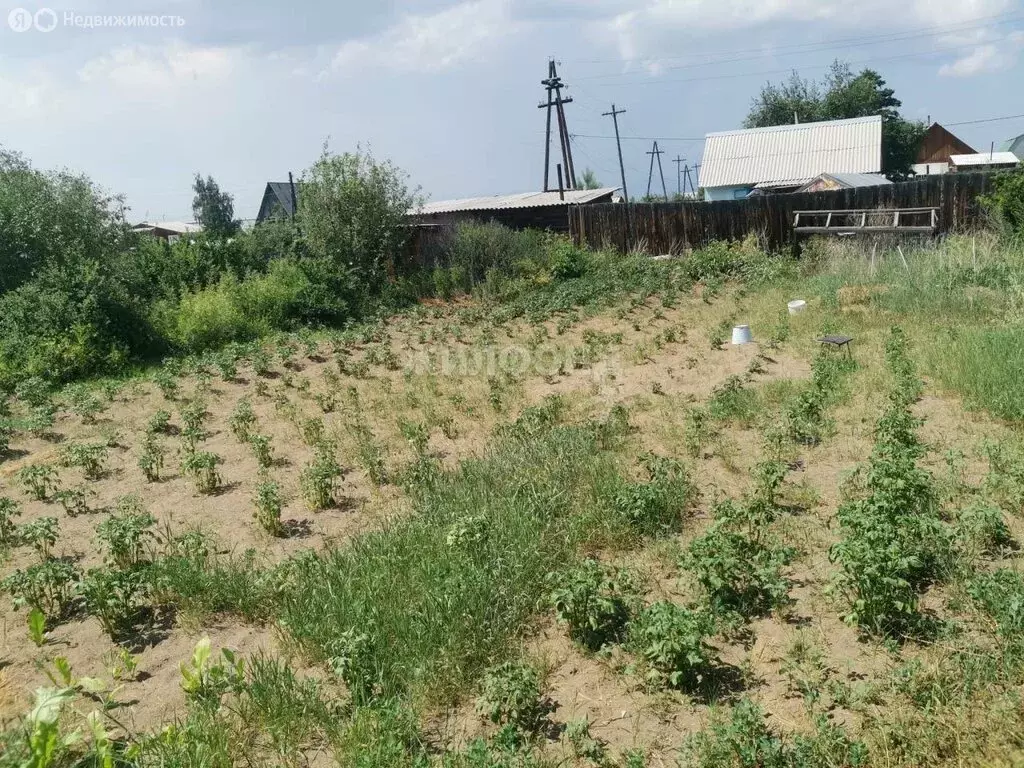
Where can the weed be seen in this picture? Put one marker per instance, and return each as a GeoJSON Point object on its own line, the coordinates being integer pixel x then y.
{"type": "Point", "coordinates": [204, 683]}
{"type": "Point", "coordinates": [734, 402]}
{"type": "Point", "coordinates": [594, 602]}
{"type": "Point", "coordinates": [312, 431]}
{"type": "Point", "coordinates": [656, 506]}
{"type": "Point", "coordinates": [584, 745]}
{"type": "Point", "coordinates": [37, 627]}
{"type": "Point", "coordinates": [671, 644]}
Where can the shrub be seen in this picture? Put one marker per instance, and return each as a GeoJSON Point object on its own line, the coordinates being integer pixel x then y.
{"type": "Point", "coordinates": [511, 695]}
{"type": "Point", "coordinates": [671, 644]}
{"type": "Point", "coordinates": [594, 602]}
{"type": "Point", "coordinates": [1006, 202]}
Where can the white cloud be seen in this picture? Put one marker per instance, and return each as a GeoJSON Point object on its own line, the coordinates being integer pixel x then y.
{"type": "Point", "coordinates": [143, 68]}
{"type": "Point", "coordinates": [430, 43]}
{"type": "Point", "coordinates": [986, 57]}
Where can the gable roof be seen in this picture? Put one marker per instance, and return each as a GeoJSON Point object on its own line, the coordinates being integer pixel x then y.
{"type": "Point", "coordinates": [939, 144]}
{"type": "Point", "coordinates": [792, 153]}
{"type": "Point", "coordinates": [521, 200]}
{"type": "Point", "coordinates": [1015, 145]}
{"type": "Point", "coordinates": [277, 200]}
{"type": "Point", "coordinates": [850, 180]}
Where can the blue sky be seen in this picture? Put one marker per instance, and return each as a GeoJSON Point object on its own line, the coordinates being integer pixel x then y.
{"type": "Point", "coordinates": [448, 90]}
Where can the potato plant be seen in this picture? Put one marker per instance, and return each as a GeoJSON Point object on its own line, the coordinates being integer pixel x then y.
{"type": "Point", "coordinates": [262, 448]}
{"type": "Point", "coordinates": [318, 481]}
{"type": "Point", "coordinates": [594, 602]}
{"type": "Point", "coordinates": [242, 419]}
{"type": "Point", "coordinates": [124, 536]}
{"type": "Point", "coordinates": [38, 480]}
{"type": "Point", "coordinates": [89, 457]}
{"type": "Point", "coordinates": [116, 597]}
{"type": "Point", "coordinates": [159, 423]}
{"type": "Point", "coordinates": [267, 501]}
{"type": "Point", "coordinates": [75, 501]}
{"type": "Point", "coordinates": [202, 468]}
{"type": "Point", "coordinates": [151, 458]}
{"type": "Point", "coordinates": [49, 587]}
{"type": "Point", "coordinates": [9, 511]}
{"type": "Point", "coordinates": [40, 534]}
{"type": "Point", "coordinates": [511, 695]}
{"type": "Point", "coordinates": [671, 644]}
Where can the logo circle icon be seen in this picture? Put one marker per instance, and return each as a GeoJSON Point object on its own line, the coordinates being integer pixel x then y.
{"type": "Point", "coordinates": [19, 20]}
{"type": "Point", "coordinates": [45, 20]}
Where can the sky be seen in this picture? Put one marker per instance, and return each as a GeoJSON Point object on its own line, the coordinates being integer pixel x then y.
{"type": "Point", "coordinates": [448, 90]}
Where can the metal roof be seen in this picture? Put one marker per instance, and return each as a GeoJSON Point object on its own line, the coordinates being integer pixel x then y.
{"type": "Point", "coordinates": [783, 155]}
{"type": "Point", "coordinates": [179, 227]}
{"type": "Point", "coordinates": [851, 180]}
{"type": "Point", "coordinates": [985, 158]}
{"type": "Point", "coordinates": [522, 200]}
{"type": "Point", "coordinates": [1015, 145]}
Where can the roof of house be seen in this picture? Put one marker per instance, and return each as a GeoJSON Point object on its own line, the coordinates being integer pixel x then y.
{"type": "Point", "coordinates": [985, 158]}
{"type": "Point", "coordinates": [522, 200]}
{"type": "Point", "coordinates": [277, 197]}
{"type": "Point", "coordinates": [852, 180]}
{"type": "Point", "coordinates": [785, 155]}
{"type": "Point", "coordinates": [176, 227]}
{"type": "Point", "coordinates": [1015, 145]}
{"type": "Point", "coordinates": [938, 143]}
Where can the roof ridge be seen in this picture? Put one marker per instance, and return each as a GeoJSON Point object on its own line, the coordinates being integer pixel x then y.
{"type": "Point", "coordinates": [798, 126]}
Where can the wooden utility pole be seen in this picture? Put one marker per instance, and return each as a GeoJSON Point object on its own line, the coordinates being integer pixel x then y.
{"type": "Point", "coordinates": [693, 187]}
{"type": "Point", "coordinates": [656, 153]}
{"type": "Point", "coordinates": [679, 174]}
{"type": "Point", "coordinates": [614, 115]}
{"type": "Point", "coordinates": [554, 85]}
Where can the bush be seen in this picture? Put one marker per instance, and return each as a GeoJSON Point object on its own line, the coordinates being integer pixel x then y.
{"type": "Point", "coordinates": [594, 602]}
{"type": "Point", "coordinates": [1006, 203]}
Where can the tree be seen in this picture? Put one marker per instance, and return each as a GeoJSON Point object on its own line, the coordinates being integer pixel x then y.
{"type": "Point", "coordinates": [590, 180]}
{"type": "Point", "coordinates": [842, 95]}
{"type": "Point", "coordinates": [214, 209]}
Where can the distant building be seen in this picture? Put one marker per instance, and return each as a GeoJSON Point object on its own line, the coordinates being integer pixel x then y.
{"type": "Point", "coordinates": [277, 201]}
{"type": "Point", "coordinates": [170, 231]}
{"type": "Point", "coordinates": [830, 181]}
{"type": "Point", "coordinates": [784, 158]}
{"type": "Point", "coordinates": [527, 210]}
{"type": "Point", "coordinates": [983, 161]}
{"type": "Point", "coordinates": [937, 147]}
{"type": "Point", "coordinates": [1014, 145]}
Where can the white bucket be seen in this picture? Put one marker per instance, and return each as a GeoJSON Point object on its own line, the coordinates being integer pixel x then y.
{"type": "Point", "coordinates": [741, 335]}
{"type": "Point", "coordinates": [797, 306]}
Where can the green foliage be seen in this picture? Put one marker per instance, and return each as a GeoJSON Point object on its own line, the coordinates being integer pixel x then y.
{"type": "Point", "coordinates": [318, 481]}
{"type": "Point", "coordinates": [213, 209]}
{"type": "Point", "coordinates": [242, 419]}
{"type": "Point", "coordinates": [733, 401]}
{"type": "Point", "coordinates": [48, 586]}
{"type": "Point", "coordinates": [267, 501]}
{"type": "Point", "coordinates": [263, 449]}
{"type": "Point", "coordinates": [75, 501]}
{"type": "Point", "coordinates": [744, 740]}
{"type": "Point", "coordinates": [1006, 201]}
{"type": "Point", "coordinates": [124, 538]}
{"type": "Point", "coordinates": [842, 95]}
{"type": "Point", "coordinates": [38, 480]}
{"type": "Point", "coordinates": [37, 627]}
{"type": "Point", "coordinates": [84, 402]}
{"type": "Point", "coordinates": [159, 423]}
{"type": "Point", "coordinates": [9, 510]}
{"type": "Point", "coordinates": [594, 601]}
{"type": "Point", "coordinates": [116, 597]}
{"type": "Point", "coordinates": [202, 468]}
{"type": "Point", "coordinates": [151, 458]}
{"type": "Point", "coordinates": [1001, 594]}
{"type": "Point", "coordinates": [40, 534]}
{"type": "Point", "coordinates": [205, 682]}
{"type": "Point", "coordinates": [671, 644]}
{"type": "Point", "coordinates": [658, 505]}
{"type": "Point", "coordinates": [89, 457]}
{"type": "Point", "coordinates": [511, 695]}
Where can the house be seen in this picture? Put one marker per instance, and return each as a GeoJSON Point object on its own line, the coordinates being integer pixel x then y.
{"type": "Point", "coordinates": [783, 158]}
{"type": "Point", "coordinates": [983, 161]}
{"type": "Point", "coordinates": [167, 230]}
{"type": "Point", "coordinates": [278, 201]}
{"type": "Point", "coordinates": [830, 181]}
{"type": "Point", "coordinates": [1014, 145]}
{"type": "Point", "coordinates": [527, 210]}
{"type": "Point", "coordinates": [937, 147]}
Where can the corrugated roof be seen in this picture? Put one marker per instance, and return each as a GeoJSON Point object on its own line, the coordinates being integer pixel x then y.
{"type": "Point", "coordinates": [181, 227]}
{"type": "Point", "coordinates": [1015, 145]}
{"type": "Point", "coordinates": [793, 154]}
{"type": "Point", "coordinates": [985, 158]}
{"type": "Point", "coordinates": [522, 200]}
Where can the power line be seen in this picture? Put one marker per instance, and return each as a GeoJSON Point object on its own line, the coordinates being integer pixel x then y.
{"type": "Point", "coordinates": [963, 26]}
{"type": "Point", "coordinates": [762, 73]}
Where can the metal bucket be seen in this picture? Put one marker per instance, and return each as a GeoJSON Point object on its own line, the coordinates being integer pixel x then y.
{"type": "Point", "coordinates": [741, 335]}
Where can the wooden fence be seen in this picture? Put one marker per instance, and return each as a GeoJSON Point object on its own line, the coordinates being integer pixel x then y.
{"type": "Point", "coordinates": [673, 227]}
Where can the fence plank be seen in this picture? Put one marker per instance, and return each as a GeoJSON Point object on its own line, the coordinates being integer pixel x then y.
{"type": "Point", "coordinates": [671, 227]}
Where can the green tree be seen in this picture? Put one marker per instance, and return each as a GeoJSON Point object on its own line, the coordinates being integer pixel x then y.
{"type": "Point", "coordinates": [841, 95]}
{"type": "Point", "coordinates": [590, 180]}
{"type": "Point", "coordinates": [214, 209]}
